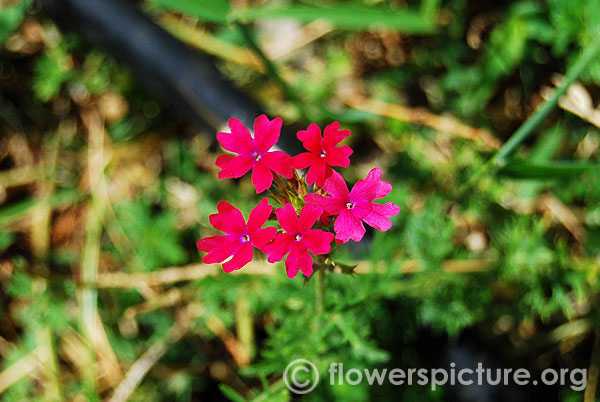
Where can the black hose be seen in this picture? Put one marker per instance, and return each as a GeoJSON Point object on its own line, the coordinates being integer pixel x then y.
{"type": "Point", "coordinates": [177, 75]}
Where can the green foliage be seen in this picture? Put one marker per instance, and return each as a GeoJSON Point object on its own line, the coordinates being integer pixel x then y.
{"type": "Point", "coordinates": [58, 67]}
{"type": "Point", "coordinates": [11, 17]}
{"type": "Point", "coordinates": [451, 302]}
{"type": "Point", "coordinates": [51, 72]}
{"type": "Point", "coordinates": [6, 239]}
{"type": "Point", "coordinates": [46, 302]}
{"type": "Point", "coordinates": [529, 263]}
{"type": "Point", "coordinates": [428, 235]}
{"type": "Point", "coordinates": [11, 213]}
{"type": "Point", "coordinates": [523, 34]}
{"type": "Point", "coordinates": [575, 22]}
{"type": "Point", "coordinates": [152, 236]}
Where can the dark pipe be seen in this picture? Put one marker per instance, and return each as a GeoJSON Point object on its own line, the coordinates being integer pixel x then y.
{"type": "Point", "coordinates": [174, 73]}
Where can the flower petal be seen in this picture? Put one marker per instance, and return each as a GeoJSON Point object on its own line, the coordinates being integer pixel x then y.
{"type": "Point", "coordinates": [278, 248]}
{"type": "Point", "coordinates": [362, 209]}
{"type": "Point", "coordinates": [339, 156]}
{"type": "Point", "coordinates": [207, 244]}
{"type": "Point", "coordinates": [242, 256]}
{"type": "Point", "coordinates": [347, 226]}
{"type": "Point", "coordinates": [316, 172]}
{"type": "Point", "coordinates": [259, 215]}
{"type": "Point", "coordinates": [266, 133]}
{"type": "Point", "coordinates": [288, 219]}
{"type": "Point", "coordinates": [318, 241]}
{"type": "Point", "coordinates": [262, 178]}
{"type": "Point", "coordinates": [332, 135]}
{"type": "Point", "coordinates": [233, 166]}
{"type": "Point", "coordinates": [370, 188]}
{"type": "Point", "coordinates": [311, 138]}
{"type": "Point", "coordinates": [239, 140]}
{"type": "Point", "coordinates": [263, 236]}
{"type": "Point", "coordinates": [279, 162]}
{"type": "Point", "coordinates": [303, 160]}
{"type": "Point", "coordinates": [308, 217]}
{"type": "Point", "coordinates": [291, 266]}
{"type": "Point", "coordinates": [220, 252]}
{"type": "Point", "coordinates": [329, 204]}
{"type": "Point", "coordinates": [379, 217]}
{"type": "Point", "coordinates": [383, 189]}
{"type": "Point", "coordinates": [228, 219]}
{"type": "Point", "coordinates": [336, 187]}
{"type": "Point", "coordinates": [299, 259]}
{"type": "Point", "coordinates": [324, 219]}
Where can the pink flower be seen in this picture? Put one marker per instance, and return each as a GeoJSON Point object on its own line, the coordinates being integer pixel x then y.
{"type": "Point", "coordinates": [357, 206]}
{"type": "Point", "coordinates": [324, 152]}
{"type": "Point", "coordinates": [298, 239]}
{"type": "Point", "coordinates": [253, 153]}
{"type": "Point", "coordinates": [241, 238]}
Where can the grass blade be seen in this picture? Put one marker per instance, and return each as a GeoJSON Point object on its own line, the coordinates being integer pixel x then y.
{"type": "Point", "coordinates": [346, 16]}
{"type": "Point", "coordinates": [585, 58]}
{"type": "Point", "coordinates": [546, 170]}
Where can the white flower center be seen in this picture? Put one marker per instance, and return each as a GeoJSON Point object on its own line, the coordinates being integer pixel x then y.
{"type": "Point", "coordinates": [349, 205]}
{"type": "Point", "coordinates": [298, 237]}
{"type": "Point", "coordinates": [323, 154]}
{"type": "Point", "coordinates": [257, 156]}
{"type": "Point", "coordinates": [246, 238]}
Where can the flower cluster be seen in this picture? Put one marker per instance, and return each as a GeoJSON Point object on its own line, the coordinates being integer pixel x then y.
{"type": "Point", "coordinates": [306, 218]}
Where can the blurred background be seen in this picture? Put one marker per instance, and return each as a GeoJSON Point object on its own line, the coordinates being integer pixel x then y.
{"type": "Point", "coordinates": [108, 116]}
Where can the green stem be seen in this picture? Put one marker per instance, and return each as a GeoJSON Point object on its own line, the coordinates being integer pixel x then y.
{"type": "Point", "coordinates": [320, 295]}
{"type": "Point", "coordinates": [279, 181]}
{"type": "Point", "coordinates": [584, 59]}
{"type": "Point", "coordinates": [498, 160]}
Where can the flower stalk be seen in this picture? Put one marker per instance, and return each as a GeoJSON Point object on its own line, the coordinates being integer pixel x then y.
{"type": "Point", "coordinates": [320, 292]}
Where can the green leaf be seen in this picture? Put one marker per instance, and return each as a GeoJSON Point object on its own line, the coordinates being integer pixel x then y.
{"type": "Point", "coordinates": [51, 71]}
{"type": "Point", "coordinates": [345, 16]}
{"type": "Point", "coordinates": [20, 285]}
{"type": "Point", "coordinates": [346, 267]}
{"type": "Point", "coordinates": [543, 151]}
{"type": "Point", "coordinates": [208, 10]}
{"type": "Point", "coordinates": [153, 236]}
{"type": "Point", "coordinates": [6, 239]}
{"type": "Point", "coordinates": [546, 170]}
{"type": "Point", "coordinates": [231, 394]}
{"type": "Point", "coordinates": [11, 17]}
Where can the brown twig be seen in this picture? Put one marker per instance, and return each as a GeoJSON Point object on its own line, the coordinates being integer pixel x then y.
{"type": "Point", "coordinates": [97, 162]}
{"type": "Point", "coordinates": [23, 367]}
{"type": "Point", "coordinates": [593, 371]}
{"type": "Point", "coordinates": [199, 271]}
{"type": "Point", "coordinates": [422, 117]}
{"type": "Point", "coordinates": [148, 359]}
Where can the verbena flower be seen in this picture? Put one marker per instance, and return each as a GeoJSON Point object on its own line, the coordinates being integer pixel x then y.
{"type": "Point", "coordinates": [323, 152]}
{"type": "Point", "coordinates": [253, 153]}
{"type": "Point", "coordinates": [241, 238]}
{"type": "Point", "coordinates": [298, 239]}
{"type": "Point", "coordinates": [357, 206]}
